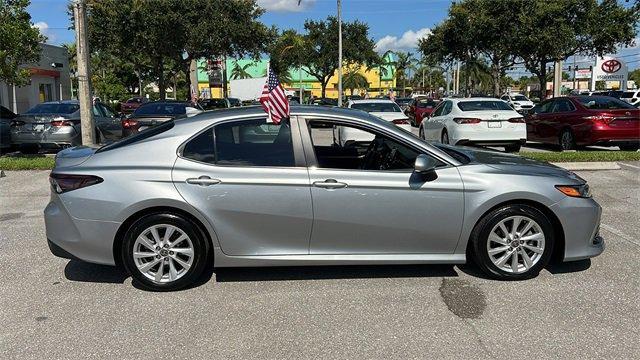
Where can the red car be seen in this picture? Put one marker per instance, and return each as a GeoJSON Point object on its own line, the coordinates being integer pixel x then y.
{"type": "Point", "coordinates": [585, 120]}
{"type": "Point", "coordinates": [419, 109]}
{"type": "Point", "coordinates": [132, 104]}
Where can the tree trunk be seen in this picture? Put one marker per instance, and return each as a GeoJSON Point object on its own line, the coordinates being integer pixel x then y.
{"type": "Point", "coordinates": [495, 74]}
{"type": "Point", "coordinates": [323, 84]}
{"type": "Point", "coordinates": [542, 80]}
{"type": "Point", "coordinates": [162, 89]}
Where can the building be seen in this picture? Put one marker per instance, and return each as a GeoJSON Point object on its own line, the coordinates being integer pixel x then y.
{"type": "Point", "coordinates": [211, 85]}
{"type": "Point", "coordinates": [49, 81]}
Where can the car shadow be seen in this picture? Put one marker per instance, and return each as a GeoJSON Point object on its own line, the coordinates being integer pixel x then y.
{"type": "Point", "coordinates": [332, 272]}
{"type": "Point", "coordinates": [569, 267]}
{"type": "Point", "coordinates": [86, 272]}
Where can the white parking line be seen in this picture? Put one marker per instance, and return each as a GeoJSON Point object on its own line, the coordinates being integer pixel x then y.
{"type": "Point", "coordinates": [629, 165]}
{"type": "Point", "coordinates": [619, 233]}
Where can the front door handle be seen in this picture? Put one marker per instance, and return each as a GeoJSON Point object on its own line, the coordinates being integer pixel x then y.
{"type": "Point", "coordinates": [203, 181]}
{"type": "Point", "coordinates": [330, 184]}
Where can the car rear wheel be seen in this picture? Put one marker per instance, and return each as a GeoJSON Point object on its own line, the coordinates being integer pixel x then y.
{"type": "Point", "coordinates": [445, 137]}
{"type": "Point", "coordinates": [630, 147]}
{"type": "Point", "coordinates": [164, 252]}
{"type": "Point", "coordinates": [513, 242]}
{"type": "Point", "coordinates": [567, 140]}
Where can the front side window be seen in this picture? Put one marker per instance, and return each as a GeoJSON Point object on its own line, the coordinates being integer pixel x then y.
{"type": "Point", "coordinates": [349, 147]}
{"type": "Point", "coordinates": [562, 106]}
{"type": "Point", "coordinates": [243, 143]}
{"type": "Point", "coordinates": [446, 109]}
{"type": "Point", "coordinates": [543, 108]}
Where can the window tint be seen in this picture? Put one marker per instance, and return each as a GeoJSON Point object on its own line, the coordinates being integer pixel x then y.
{"type": "Point", "coordinates": [53, 109]}
{"type": "Point", "coordinates": [107, 112]}
{"type": "Point", "coordinates": [201, 148]}
{"type": "Point", "coordinates": [446, 109]}
{"type": "Point", "coordinates": [628, 94]}
{"type": "Point", "coordinates": [97, 111]}
{"type": "Point", "coordinates": [438, 110]}
{"type": "Point", "coordinates": [253, 143]}
{"type": "Point", "coordinates": [377, 107]}
{"type": "Point", "coordinates": [426, 103]}
{"type": "Point", "coordinates": [160, 108]}
{"type": "Point", "coordinates": [483, 105]}
{"type": "Point", "coordinates": [143, 135]}
{"type": "Point", "coordinates": [543, 108]}
{"type": "Point", "coordinates": [603, 103]}
{"type": "Point", "coordinates": [562, 106]}
{"type": "Point", "coordinates": [339, 146]}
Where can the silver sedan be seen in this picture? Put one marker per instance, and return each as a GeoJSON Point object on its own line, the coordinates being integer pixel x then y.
{"type": "Point", "coordinates": [228, 189]}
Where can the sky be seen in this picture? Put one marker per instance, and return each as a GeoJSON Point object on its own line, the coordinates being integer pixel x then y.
{"type": "Point", "coordinates": [393, 24]}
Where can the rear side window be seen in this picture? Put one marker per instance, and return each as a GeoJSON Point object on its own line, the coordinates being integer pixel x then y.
{"type": "Point", "coordinates": [603, 103]}
{"type": "Point", "coordinates": [483, 105]}
{"type": "Point", "coordinates": [161, 109]}
{"type": "Point", "coordinates": [54, 109]}
{"type": "Point", "coordinates": [143, 135]}
{"type": "Point", "coordinates": [243, 143]}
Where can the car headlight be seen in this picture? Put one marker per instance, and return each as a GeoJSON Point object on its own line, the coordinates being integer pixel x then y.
{"type": "Point", "coordinates": [581, 191]}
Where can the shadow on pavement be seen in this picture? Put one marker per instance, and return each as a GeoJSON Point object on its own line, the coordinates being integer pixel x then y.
{"type": "Point", "coordinates": [86, 272]}
{"type": "Point", "coordinates": [333, 272]}
{"type": "Point", "coordinates": [569, 267]}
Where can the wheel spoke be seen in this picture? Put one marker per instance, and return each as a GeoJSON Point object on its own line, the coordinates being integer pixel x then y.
{"type": "Point", "coordinates": [185, 251]}
{"type": "Point", "coordinates": [504, 230]}
{"type": "Point", "coordinates": [182, 263]}
{"type": "Point", "coordinates": [178, 241]}
{"type": "Point", "coordinates": [503, 259]}
{"type": "Point", "coordinates": [515, 225]}
{"type": "Point", "coordinates": [534, 237]}
{"type": "Point", "coordinates": [156, 236]}
{"type": "Point", "coordinates": [526, 228]}
{"type": "Point", "coordinates": [147, 266]}
{"type": "Point", "coordinates": [526, 259]}
{"type": "Point", "coordinates": [167, 234]}
{"type": "Point", "coordinates": [143, 255]}
{"type": "Point", "coordinates": [173, 273]}
{"type": "Point", "coordinates": [497, 239]}
{"type": "Point", "coordinates": [535, 249]}
{"type": "Point", "coordinates": [514, 261]}
{"type": "Point", "coordinates": [498, 250]}
{"type": "Point", "coordinates": [146, 242]}
{"type": "Point", "coordinates": [160, 271]}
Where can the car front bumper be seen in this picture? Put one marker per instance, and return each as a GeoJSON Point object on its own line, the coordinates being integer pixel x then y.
{"type": "Point", "coordinates": [580, 219]}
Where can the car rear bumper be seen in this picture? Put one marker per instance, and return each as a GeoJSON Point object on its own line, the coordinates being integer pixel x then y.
{"type": "Point", "coordinates": [613, 136]}
{"type": "Point", "coordinates": [73, 238]}
{"type": "Point", "coordinates": [66, 136]}
{"type": "Point", "coordinates": [481, 134]}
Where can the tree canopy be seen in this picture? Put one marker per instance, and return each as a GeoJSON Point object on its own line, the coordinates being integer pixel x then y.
{"type": "Point", "coordinates": [19, 41]}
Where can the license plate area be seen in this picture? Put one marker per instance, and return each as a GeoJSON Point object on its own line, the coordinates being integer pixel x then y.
{"type": "Point", "coordinates": [494, 124]}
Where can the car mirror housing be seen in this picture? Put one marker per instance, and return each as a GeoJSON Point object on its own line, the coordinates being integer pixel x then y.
{"type": "Point", "coordinates": [424, 164]}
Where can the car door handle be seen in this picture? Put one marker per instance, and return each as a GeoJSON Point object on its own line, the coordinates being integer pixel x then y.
{"type": "Point", "coordinates": [329, 184]}
{"type": "Point", "coordinates": [203, 181]}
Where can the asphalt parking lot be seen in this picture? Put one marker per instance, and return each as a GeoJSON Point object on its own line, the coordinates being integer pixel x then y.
{"type": "Point", "coordinates": [53, 308]}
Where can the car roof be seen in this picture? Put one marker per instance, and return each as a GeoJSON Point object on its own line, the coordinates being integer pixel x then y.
{"type": "Point", "coordinates": [367, 101]}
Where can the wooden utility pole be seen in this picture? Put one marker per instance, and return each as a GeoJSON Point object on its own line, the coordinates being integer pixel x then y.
{"type": "Point", "coordinates": [85, 97]}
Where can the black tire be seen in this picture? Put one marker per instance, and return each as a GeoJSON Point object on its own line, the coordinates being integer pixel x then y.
{"type": "Point", "coordinates": [566, 140]}
{"type": "Point", "coordinates": [480, 238]}
{"type": "Point", "coordinates": [629, 147]}
{"type": "Point", "coordinates": [513, 148]}
{"type": "Point", "coordinates": [198, 240]}
{"type": "Point", "coordinates": [444, 138]}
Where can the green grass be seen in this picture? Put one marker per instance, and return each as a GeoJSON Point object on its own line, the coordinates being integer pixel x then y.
{"type": "Point", "coordinates": [580, 156]}
{"type": "Point", "coordinates": [26, 162]}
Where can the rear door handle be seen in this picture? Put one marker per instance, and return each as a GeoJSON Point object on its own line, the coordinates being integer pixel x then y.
{"type": "Point", "coordinates": [203, 181]}
{"type": "Point", "coordinates": [329, 184]}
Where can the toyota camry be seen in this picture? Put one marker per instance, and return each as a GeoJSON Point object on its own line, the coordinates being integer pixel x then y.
{"type": "Point", "coordinates": [229, 189]}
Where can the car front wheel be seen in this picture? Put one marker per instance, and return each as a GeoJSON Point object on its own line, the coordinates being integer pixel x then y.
{"type": "Point", "coordinates": [513, 242]}
{"type": "Point", "coordinates": [164, 252]}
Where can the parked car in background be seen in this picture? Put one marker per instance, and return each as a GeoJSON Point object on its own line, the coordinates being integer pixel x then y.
{"type": "Point", "coordinates": [325, 102]}
{"type": "Point", "coordinates": [385, 109]}
{"type": "Point", "coordinates": [55, 125]}
{"type": "Point", "coordinates": [613, 93]}
{"type": "Point", "coordinates": [477, 121]}
{"type": "Point", "coordinates": [132, 104]}
{"type": "Point", "coordinates": [234, 102]}
{"type": "Point", "coordinates": [419, 109]}
{"type": "Point", "coordinates": [632, 97]}
{"type": "Point", "coordinates": [585, 120]}
{"type": "Point", "coordinates": [6, 117]}
{"type": "Point", "coordinates": [518, 102]}
{"type": "Point", "coordinates": [402, 102]}
{"type": "Point", "coordinates": [213, 104]}
{"type": "Point", "coordinates": [155, 113]}
{"type": "Point", "coordinates": [227, 189]}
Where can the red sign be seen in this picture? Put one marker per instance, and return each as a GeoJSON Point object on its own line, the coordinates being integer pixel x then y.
{"type": "Point", "coordinates": [43, 72]}
{"type": "Point", "coordinates": [611, 66]}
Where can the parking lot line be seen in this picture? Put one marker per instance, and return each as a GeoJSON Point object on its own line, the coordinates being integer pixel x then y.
{"type": "Point", "coordinates": [619, 233]}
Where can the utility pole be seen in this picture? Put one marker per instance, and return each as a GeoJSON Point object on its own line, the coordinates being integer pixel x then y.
{"type": "Point", "coordinates": [85, 97]}
{"type": "Point", "coordinates": [557, 79]}
{"type": "Point", "coordinates": [339, 53]}
{"type": "Point", "coordinates": [458, 78]}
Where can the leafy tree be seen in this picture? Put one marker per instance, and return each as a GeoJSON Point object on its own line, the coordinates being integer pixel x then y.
{"type": "Point", "coordinates": [240, 71]}
{"type": "Point", "coordinates": [635, 76]}
{"type": "Point", "coordinates": [353, 80]}
{"type": "Point", "coordinates": [555, 30]}
{"type": "Point", "coordinates": [285, 53]}
{"type": "Point", "coordinates": [19, 41]}
{"type": "Point", "coordinates": [477, 75]}
{"type": "Point", "coordinates": [320, 47]}
{"type": "Point", "coordinates": [404, 62]}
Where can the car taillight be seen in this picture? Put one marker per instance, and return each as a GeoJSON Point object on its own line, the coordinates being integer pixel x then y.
{"type": "Point", "coordinates": [61, 123]}
{"type": "Point", "coordinates": [518, 120]}
{"type": "Point", "coordinates": [130, 124]}
{"type": "Point", "coordinates": [600, 121]}
{"type": "Point", "coordinates": [400, 122]}
{"type": "Point", "coordinates": [16, 123]}
{"type": "Point", "coordinates": [467, 120]}
{"type": "Point", "coordinates": [62, 183]}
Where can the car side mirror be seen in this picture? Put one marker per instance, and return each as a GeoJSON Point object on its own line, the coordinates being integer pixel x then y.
{"type": "Point", "coordinates": [424, 164]}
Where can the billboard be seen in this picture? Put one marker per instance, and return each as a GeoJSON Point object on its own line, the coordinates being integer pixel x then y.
{"type": "Point", "coordinates": [610, 69]}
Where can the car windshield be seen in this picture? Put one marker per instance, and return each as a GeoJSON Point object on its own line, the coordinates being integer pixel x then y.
{"type": "Point", "coordinates": [628, 94]}
{"type": "Point", "coordinates": [426, 103]}
{"type": "Point", "coordinates": [483, 105]}
{"type": "Point", "coordinates": [53, 109]}
{"type": "Point", "coordinates": [377, 107]}
{"type": "Point", "coordinates": [161, 109]}
{"type": "Point", "coordinates": [519, 98]}
{"type": "Point", "coordinates": [603, 103]}
{"type": "Point", "coordinates": [402, 101]}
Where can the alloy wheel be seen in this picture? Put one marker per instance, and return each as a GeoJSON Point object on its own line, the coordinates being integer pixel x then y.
{"type": "Point", "coordinates": [566, 140]}
{"type": "Point", "coordinates": [163, 253]}
{"type": "Point", "coordinates": [516, 244]}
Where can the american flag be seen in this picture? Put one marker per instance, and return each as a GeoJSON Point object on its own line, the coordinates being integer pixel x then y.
{"type": "Point", "coordinates": [274, 100]}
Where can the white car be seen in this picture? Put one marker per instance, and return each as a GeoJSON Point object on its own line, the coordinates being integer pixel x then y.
{"type": "Point", "coordinates": [478, 121]}
{"type": "Point", "coordinates": [519, 102]}
{"type": "Point", "coordinates": [385, 109]}
{"type": "Point", "coordinates": [631, 96]}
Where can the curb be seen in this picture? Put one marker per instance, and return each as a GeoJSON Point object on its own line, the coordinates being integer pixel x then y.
{"type": "Point", "coordinates": [588, 166]}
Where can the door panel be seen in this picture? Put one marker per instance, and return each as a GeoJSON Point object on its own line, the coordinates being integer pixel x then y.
{"type": "Point", "coordinates": [254, 211]}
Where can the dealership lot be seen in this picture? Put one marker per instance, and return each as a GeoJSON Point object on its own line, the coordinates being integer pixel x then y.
{"type": "Point", "coordinates": [54, 308]}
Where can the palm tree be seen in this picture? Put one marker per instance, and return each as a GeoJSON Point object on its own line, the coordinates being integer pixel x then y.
{"type": "Point", "coordinates": [404, 62]}
{"type": "Point", "coordinates": [477, 73]}
{"type": "Point", "coordinates": [384, 65]}
{"type": "Point", "coordinates": [353, 79]}
{"type": "Point", "coordinates": [240, 71]}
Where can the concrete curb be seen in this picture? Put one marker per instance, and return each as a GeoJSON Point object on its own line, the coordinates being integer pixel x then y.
{"type": "Point", "coordinates": [590, 166]}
